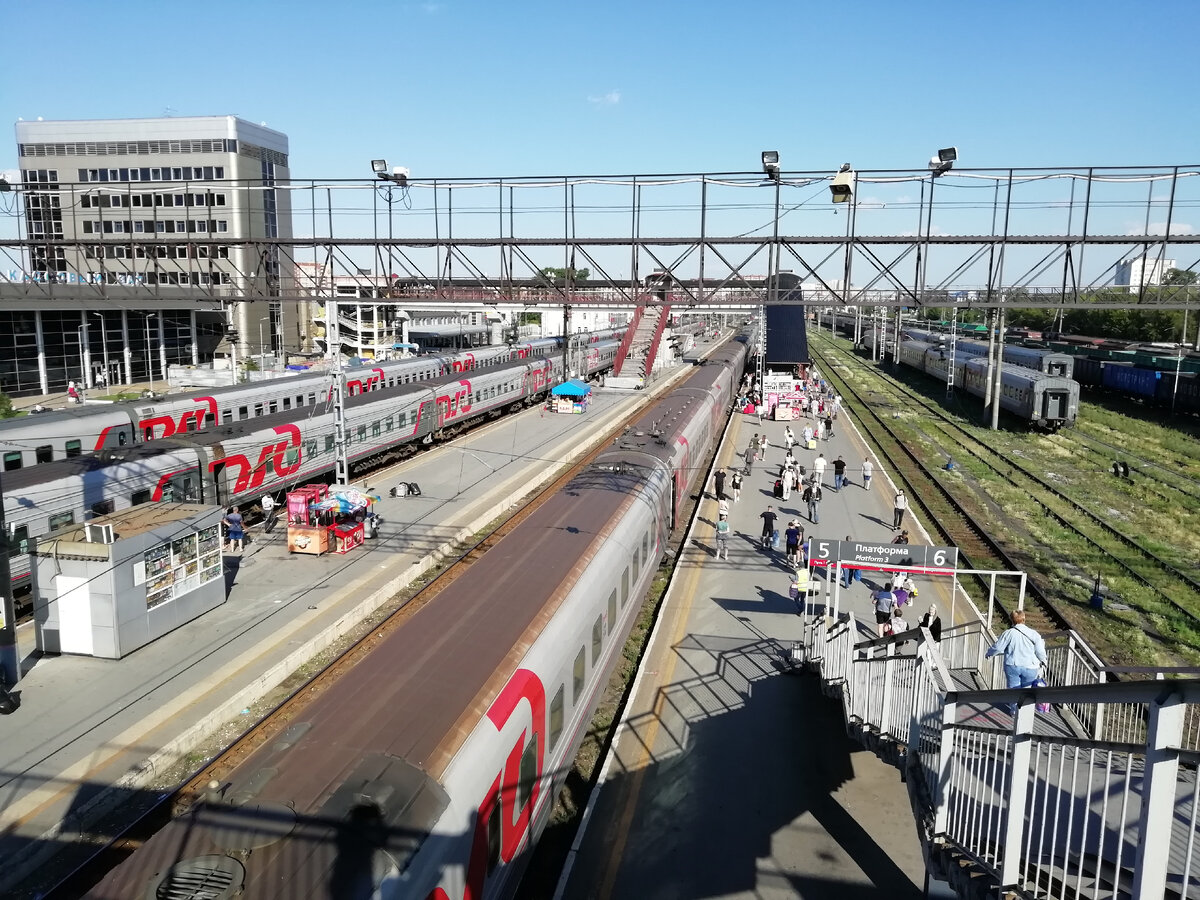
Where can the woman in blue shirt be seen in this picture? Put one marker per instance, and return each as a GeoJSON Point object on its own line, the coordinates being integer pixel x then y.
{"type": "Point", "coordinates": [1024, 653]}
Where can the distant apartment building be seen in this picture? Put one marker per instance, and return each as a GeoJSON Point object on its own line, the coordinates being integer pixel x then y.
{"type": "Point", "coordinates": [159, 202]}
{"type": "Point", "coordinates": [1142, 271]}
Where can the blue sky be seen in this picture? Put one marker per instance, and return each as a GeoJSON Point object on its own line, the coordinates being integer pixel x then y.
{"type": "Point", "coordinates": [456, 88]}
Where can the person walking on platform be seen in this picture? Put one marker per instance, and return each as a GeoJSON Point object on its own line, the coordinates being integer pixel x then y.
{"type": "Point", "coordinates": [754, 445]}
{"type": "Point", "coordinates": [789, 438]}
{"type": "Point", "coordinates": [828, 426]}
{"type": "Point", "coordinates": [719, 482]}
{"type": "Point", "coordinates": [768, 529]}
{"type": "Point", "coordinates": [899, 505]}
{"type": "Point", "coordinates": [722, 532]}
{"type": "Point", "coordinates": [751, 452]}
{"type": "Point", "coordinates": [789, 482]}
{"type": "Point", "coordinates": [933, 622]}
{"type": "Point", "coordinates": [885, 605]}
{"type": "Point", "coordinates": [839, 473]}
{"type": "Point", "coordinates": [819, 468]}
{"type": "Point", "coordinates": [868, 469]}
{"type": "Point", "coordinates": [792, 538]}
{"type": "Point", "coordinates": [812, 496]}
{"type": "Point", "coordinates": [1024, 653]}
{"type": "Point", "coordinates": [808, 434]}
{"type": "Point", "coordinates": [237, 529]}
{"type": "Point", "coordinates": [849, 576]}
{"type": "Point", "coordinates": [763, 443]}
{"type": "Point", "coordinates": [735, 484]}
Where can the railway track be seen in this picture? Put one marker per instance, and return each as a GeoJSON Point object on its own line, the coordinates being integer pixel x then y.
{"type": "Point", "coordinates": [274, 725]}
{"type": "Point", "coordinates": [949, 517]}
{"type": "Point", "coordinates": [1147, 468]}
{"type": "Point", "coordinates": [1004, 467]}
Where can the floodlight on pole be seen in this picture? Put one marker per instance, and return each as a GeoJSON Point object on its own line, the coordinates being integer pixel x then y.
{"type": "Point", "coordinates": [770, 164]}
{"type": "Point", "coordinates": [398, 175]}
{"type": "Point", "coordinates": [379, 167]}
{"type": "Point", "coordinates": [841, 188]}
{"type": "Point", "coordinates": [944, 161]}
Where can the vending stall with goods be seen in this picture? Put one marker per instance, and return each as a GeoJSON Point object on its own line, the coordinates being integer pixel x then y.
{"type": "Point", "coordinates": [339, 521]}
{"type": "Point", "coordinates": [570, 397]}
{"type": "Point", "coordinates": [306, 534]}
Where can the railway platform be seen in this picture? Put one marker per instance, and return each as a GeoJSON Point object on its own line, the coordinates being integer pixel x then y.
{"type": "Point", "coordinates": [732, 775]}
{"type": "Point", "coordinates": [94, 734]}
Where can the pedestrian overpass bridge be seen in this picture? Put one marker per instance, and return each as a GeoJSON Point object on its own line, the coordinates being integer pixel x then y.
{"type": "Point", "coordinates": [1095, 798]}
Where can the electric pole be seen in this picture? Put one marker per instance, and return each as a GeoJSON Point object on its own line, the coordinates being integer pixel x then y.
{"type": "Point", "coordinates": [10, 657]}
{"type": "Point", "coordinates": [334, 337]}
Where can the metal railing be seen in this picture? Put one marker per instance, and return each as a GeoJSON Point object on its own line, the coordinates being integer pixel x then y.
{"type": "Point", "coordinates": [1088, 790]}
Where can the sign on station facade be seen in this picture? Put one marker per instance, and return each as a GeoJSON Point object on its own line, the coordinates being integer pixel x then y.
{"type": "Point", "coordinates": [882, 557]}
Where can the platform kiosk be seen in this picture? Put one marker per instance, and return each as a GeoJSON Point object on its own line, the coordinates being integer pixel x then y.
{"type": "Point", "coordinates": [305, 532]}
{"type": "Point", "coordinates": [570, 397]}
{"type": "Point", "coordinates": [120, 581]}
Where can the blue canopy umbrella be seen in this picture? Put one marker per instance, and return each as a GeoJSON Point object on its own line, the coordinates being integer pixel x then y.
{"type": "Point", "coordinates": [572, 388]}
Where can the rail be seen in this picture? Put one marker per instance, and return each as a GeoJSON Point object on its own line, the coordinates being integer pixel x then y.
{"type": "Point", "coordinates": [1089, 790]}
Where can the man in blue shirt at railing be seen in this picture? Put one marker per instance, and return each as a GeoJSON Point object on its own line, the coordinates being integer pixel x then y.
{"type": "Point", "coordinates": [1024, 653]}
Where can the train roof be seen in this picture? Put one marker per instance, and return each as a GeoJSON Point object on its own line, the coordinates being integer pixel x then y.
{"type": "Point", "coordinates": [74, 466]}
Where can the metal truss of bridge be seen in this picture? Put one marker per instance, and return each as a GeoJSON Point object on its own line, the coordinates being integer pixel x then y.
{"type": "Point", "coordinates": [995, 238]}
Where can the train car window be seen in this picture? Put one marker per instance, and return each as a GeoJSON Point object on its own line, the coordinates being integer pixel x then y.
{"type": "Point", "coordinates": [625, 586]}
{"type": "Point", "coordinates": [362, 433]}
{"type": "Point", "coordinates": [529, 773]}
{"type": "Point", "coordinates": [140, 497]}
{"type": "Point", "coordinates": [493, 827]}
{"type": "Point", "coordinates": [19, 542]}
{"type": "Point", "coordinates": [637, 563]}
{"type": "Point", "coordinates": [122, 439]}
{"type": "Point", "coordinates": [258, 410]}
{"type": "Point", "coordinates": [209, 420]}
{"type": "Point", "coordinates": [12, 461]}
{"type": "Point", "coordinates": [103, 508]}
{"type": "Point", "coordinates": [310, 448]}
{"type": "Point", "coordinates": [287, 402]}
{"type": "Point", "coordinates": [293, 457]}
{"type": "Point", "coordinates": [597, 640]}
{"type": "Point", "coordinates": [299, 400]}
{"type": "Point", "coordinates": [243, 412]}
{"type": "Point", "coordinates": [75, 448]}
{"type": "Point", "coordinates": [329, 443]}
{"type": "Point", "coordinates": [191, 425]}
{"type": "Point", "coordinates": [376, 429]}
{"type": "Point", "coordinates": [45, 453]}
{"type": "Point", "coordinates": [273, 406]}
{"type": "Point", "coordinates": [150, 434]}
{"type": "Point", "coordinates": [612, 611]}
{"type": "Point", "coordinates": [556, 716]}
{"type": "Point", "coordinates": [226, 416]}
{"type": "Point", "coordinates": [577, 677]}
{"type": "Point", "coordinates": [58, 520]}
{"type": "Point", "coordinates": [312, 399]}
{"type": "Point", "coordinates": [646, 545]}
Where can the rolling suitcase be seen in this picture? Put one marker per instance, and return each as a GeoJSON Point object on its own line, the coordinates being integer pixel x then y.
{"type": "Point", "coordinates": [778, 489]}
{"type": "Point", "coordinates": [812, 444]}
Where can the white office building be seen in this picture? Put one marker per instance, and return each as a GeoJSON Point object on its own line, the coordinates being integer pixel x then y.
{"type": "Point", "coordinates": [1142, 271]}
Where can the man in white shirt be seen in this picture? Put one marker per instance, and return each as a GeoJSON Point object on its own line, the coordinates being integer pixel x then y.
{"type": "Point", "coordinates": [899, 505]}
{"type": "Point", "coordinates": [819, 467]}
{"type": "Point", "coordinates": [868, 469]}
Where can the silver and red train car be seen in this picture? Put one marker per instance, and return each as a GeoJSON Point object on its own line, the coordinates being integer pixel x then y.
{"type": "Point", "coordinates": [272, 451]}
{"type": "Point", "coordinates": [44, 438]}
{"type": "Point", "coordinates": [430, 770]}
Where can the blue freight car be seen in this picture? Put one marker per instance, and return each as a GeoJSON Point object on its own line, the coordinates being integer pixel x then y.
{"type": "Point", "coordinates": [1131, 379]}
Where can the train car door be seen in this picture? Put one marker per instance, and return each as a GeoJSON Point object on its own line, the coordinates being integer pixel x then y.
{"type": "Point", "coordinates": [1054, 405]}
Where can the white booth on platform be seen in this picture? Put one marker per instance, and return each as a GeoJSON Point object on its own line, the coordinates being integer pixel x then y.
{"type": "Point", "coordinates": [123, 580]}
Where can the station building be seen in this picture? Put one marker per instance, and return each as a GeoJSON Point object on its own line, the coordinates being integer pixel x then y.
{"type": "Point", "coordinates": [141, 203]}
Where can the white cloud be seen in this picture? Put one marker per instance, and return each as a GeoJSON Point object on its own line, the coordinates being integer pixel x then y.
{"type": "Point", "coordinates": [612, 98]}
{"type": "Point", "coordinates": [1161, 228]}
{"type": "Point", "coordinates": [432, 8]}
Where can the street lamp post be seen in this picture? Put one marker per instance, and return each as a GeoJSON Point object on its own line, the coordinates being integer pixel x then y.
{"type": "Point", "coordinates": [262, 350]}
{"type": "Point", "coordinates": [149, 354]}
{"type": "Point", "coordinates": [104, 344]}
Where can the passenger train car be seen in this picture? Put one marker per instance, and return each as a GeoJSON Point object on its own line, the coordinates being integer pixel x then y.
{"type": "Point", "coordinates": [240, 461]}
{"type": "Point", "coordinates": [1046, 361]}
{"type": "Point", "coordinates": [1047, 401]}
{"type": "Point", "coordinates": [429, 771]}
{"type": "Point", "coordinates": [39, 439]}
